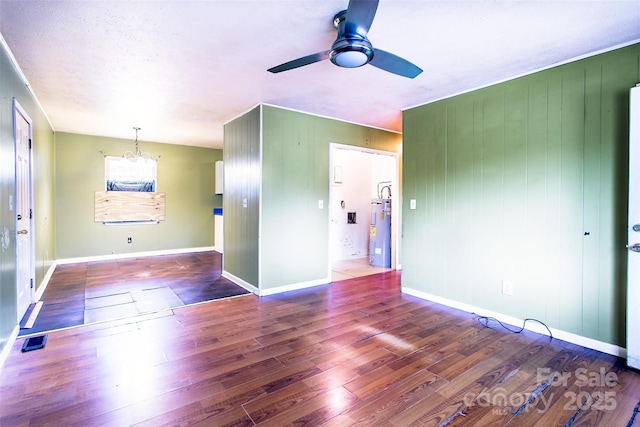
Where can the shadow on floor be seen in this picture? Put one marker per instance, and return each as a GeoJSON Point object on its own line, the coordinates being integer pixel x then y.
{"type": "Point", "coordinates": [90, 292]}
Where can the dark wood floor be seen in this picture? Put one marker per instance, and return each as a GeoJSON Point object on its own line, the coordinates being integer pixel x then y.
{"type": "Point", "coordinates": [356, 352]}
{"type": "Point", "coordinates": [97, 291]}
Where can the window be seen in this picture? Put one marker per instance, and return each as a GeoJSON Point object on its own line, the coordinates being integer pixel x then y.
{"type": "Point", "coordinates": [124, 174]}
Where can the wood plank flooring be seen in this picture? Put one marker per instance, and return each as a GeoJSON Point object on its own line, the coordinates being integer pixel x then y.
{"type": "Point", "coordinates": [97, 291]}
{"type": "Point", "coordinates": [355, 352]}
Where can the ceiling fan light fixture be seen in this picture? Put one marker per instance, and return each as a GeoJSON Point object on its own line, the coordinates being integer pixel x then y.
{"type": "Point", "coordinates": [351, 54]}
{"type": "Point", "coordinates": [350, 59]}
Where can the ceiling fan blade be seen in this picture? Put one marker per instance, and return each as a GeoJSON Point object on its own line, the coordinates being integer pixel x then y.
{"type": "Point", "coordinates": [305, 60]}
{"type": "Point", "coordinates": [394, 64]}
{"type": "Point", "coordinates": [360, 14]}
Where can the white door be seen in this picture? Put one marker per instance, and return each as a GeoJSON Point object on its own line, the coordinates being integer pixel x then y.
{"type": "Point", "coordinates": [633, 240]}
{"type": "Point", "coordinates": [22, 126]}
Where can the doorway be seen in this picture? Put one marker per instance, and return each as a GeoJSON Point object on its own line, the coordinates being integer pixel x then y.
{"type": "Point", "coordinates": [25, 266]}
{"type": "Point", "coordinates": [358, 175]}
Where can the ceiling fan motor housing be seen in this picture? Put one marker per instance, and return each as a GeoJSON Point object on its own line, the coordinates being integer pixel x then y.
{"type": "Point", "coordinates": [349, 50]}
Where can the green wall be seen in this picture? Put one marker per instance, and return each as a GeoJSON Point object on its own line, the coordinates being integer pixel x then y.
{"type": "Point", "coordinates": [526, 181]}
{"type": "Point", "coordinates": [12, 86]}
{"type": "Point", "coordinates": [242, 182]}
{"type": "Point", "coordinates": [185, 174]}
{"type": "Point", "coordinates": [278, 160]}
{"type": "Point", "coordinates": [294, 232]}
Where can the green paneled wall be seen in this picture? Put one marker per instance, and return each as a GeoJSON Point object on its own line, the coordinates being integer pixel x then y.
{"type": "Point", "coordinates": [185, 174]}
{"type": "Point", "coordinates": [278, 160]}
{"type": "Point", "coordinates": [525, 181]}
{"type": "Point", "coordinates": [294, 233]}
{"type": "Point", "coordinates": [12, 86]}
{"type": "Point", "coordinates": [242, 183]}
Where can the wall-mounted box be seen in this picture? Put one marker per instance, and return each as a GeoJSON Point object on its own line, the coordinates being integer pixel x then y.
{"type": "Point", "coordinates": [219, 176]}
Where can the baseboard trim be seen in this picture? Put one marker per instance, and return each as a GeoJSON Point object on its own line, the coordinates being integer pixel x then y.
{"type": "Point", "coordinates": [272, 291]}
{"type": "Point", "coordinates": [9, 345]}
{"type": "Point", "coordinates": [134, 255]}
{"type": "Point", "coordinates": [45, 281]}
{"type": "Point", "coordinates": [238, 281]}
{"type": "Point", "coordinates": [633, 362]}
{"type": "Point", "coordinates": [294, 287]}
{"type": "Point", "coordinates": [534, 327]}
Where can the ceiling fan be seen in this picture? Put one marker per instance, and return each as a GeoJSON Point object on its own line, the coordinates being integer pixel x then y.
{"type": "Point", "coordinates": [352, 48]}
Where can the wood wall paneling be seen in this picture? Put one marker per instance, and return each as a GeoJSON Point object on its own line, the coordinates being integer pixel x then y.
{"type": "Point", "coordinates": [242, 171]}
{"type": "Point", "coordinates": [525, 181]}
{"type": "Point", "coordinates": [294, 234]}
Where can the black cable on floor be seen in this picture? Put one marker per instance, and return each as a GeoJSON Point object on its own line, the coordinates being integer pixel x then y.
{"type": "Point", "coordinates": [487, 319]}
{"type": "Point", "coordinates": [636, 410]}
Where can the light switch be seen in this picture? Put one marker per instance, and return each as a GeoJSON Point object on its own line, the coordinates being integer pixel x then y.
{"type": "Point", "coordinates": [320, 204]}
{"type": "Point", "coordinates": [412, 204]}
{"type": "Point", "coordinates": [10, 202]}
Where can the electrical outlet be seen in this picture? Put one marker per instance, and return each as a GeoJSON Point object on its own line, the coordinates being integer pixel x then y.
{"type": "Point", "coordinates": [507, 287]}
{"type": "Point", "coordinates": [129, 240]}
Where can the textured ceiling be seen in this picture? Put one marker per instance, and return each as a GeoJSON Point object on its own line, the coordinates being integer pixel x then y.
{"type": "Point", "coordinates": [181, 69]}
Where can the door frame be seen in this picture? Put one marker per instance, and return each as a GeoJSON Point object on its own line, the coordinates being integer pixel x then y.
{"type": "Point", "coordinates": [19, 111]}
{"type": "Point", "coordinates": [633, 237]}
{"type": "Point", "coordinates": [396, 206]}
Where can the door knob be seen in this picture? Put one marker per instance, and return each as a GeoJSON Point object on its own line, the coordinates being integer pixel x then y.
{"type": "Point", "coordinates": [26, 231]}
{"type": "Point", "coordinates": [635, 247]}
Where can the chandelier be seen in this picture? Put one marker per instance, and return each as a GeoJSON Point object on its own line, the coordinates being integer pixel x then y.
{"type": "Point", "coordinates": [137, 155]}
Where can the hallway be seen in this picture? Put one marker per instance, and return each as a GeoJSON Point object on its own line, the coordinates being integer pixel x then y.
{"type": "Point", "coordinates": [350, 268]}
